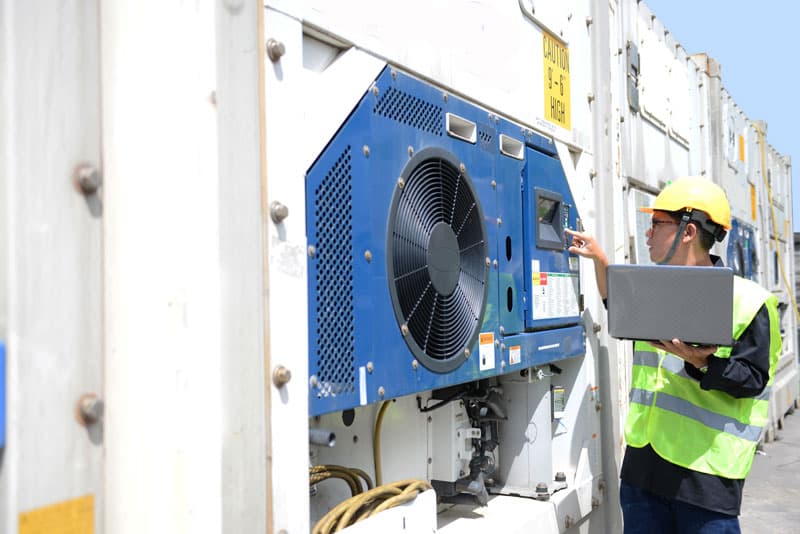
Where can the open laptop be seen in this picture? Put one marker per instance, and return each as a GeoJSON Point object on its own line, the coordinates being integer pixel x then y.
{"type": "Point", "coordinates": [652, 302]}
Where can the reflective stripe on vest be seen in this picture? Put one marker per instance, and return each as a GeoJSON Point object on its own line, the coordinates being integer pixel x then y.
{"type": "Point", "coordinates": [707, 431]}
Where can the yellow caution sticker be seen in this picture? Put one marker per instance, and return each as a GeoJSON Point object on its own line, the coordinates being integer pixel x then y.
{"type": "Point", "coordinates": [556, 81]}
{"type": "Point", "coordinates": [75, 516]}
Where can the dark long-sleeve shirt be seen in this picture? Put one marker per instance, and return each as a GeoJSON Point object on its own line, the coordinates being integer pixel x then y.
{"type": "Point", "coordinates": [744, 374]}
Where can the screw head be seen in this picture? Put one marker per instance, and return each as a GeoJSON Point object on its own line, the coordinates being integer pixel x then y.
{"type": "Point", "coordinates": [275, 49]}
{"type": "Point", "coordinates": [368, 256]}
{"type": "Point", "coordinates": [87, 177]}
{"type": "Point", "coordinates": [381, 392]}
{"type": "Point", "coordinates": [311, 251]}
{"type": "Point", "coordinates": [281, 376]}
{"type": "Point", "coordinates": [365, 150]}
{"type": "Point", "coordinates": [278, 212]}
{"type": "Point", "coordinates": [404, 329]}
{"type": "Point", "coordinates": [370, 367]}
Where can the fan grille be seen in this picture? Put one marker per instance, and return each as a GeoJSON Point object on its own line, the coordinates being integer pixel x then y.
{"type": "Point", "coordinates": [437, 267]}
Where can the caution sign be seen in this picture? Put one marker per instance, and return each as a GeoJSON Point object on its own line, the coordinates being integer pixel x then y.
{"type": "Point", "coordinates": [556, 81]}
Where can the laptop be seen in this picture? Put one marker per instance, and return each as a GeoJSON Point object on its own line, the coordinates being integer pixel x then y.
{"type": "Point", "coordinates": [652, 302]}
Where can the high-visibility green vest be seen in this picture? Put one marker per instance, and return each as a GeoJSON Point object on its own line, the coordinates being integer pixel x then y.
{"type": "Point", "coordinates": [706, 431]}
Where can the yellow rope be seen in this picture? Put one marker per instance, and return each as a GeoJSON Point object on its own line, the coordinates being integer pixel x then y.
{"type": "Point", "coordinates": [318, 473]}
{"type": "Point", "coordinates": [789, 289]}
{"type": "Point", "coordinates": [369, 503]}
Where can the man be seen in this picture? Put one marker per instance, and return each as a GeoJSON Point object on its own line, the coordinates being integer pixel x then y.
{"type": "Point", "coordinates": [696, 412]}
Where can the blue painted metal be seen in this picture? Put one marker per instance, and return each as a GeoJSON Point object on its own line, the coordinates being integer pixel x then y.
{"type": "Point", "coordinates": [544, 175]}
{"type": "Point", "coordinates": [357, 351]}
{"type": "Point", "coordinates": [741, 250]}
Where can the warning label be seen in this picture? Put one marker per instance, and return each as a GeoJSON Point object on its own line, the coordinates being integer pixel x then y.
{"type": "Point", "coordinates": [556, 81]}
{"type": "Point", "coordinates": [554, 295]}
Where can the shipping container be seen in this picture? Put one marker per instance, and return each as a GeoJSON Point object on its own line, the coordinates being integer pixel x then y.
{"type": "Point", "coordinates": [259, 256]}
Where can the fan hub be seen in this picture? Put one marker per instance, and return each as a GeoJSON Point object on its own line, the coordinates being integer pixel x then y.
{"type": "Point", "coordinates": [444, 262]}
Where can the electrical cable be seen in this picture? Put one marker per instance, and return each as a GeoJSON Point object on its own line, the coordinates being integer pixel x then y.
{"type": "Point", "coordinates": [367, 504]}
{"type": "Point", "coordinates": [376, 442]}
{"type": "Point", "coordinates": [789, 289]}
{"type": "Point", "coordinates": [318, 473]}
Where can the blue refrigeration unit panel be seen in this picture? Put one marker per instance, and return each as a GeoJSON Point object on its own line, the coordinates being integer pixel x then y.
{"type": "Point", "coordinates": [416, 276]}
{"type": "Point", "coordinates": [741, 252]}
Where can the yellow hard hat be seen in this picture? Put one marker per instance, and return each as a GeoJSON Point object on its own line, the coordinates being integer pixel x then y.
{"type": "Point", "coordinates": [694, 193]}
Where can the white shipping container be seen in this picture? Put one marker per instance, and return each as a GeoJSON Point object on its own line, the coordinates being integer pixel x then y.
{"type": "Point", "coordinates": [198, 259]}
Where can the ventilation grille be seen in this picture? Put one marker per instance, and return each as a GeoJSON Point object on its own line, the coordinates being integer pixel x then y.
{"type": "Point", "coordinates": [486, 137]}
{"type": "Point", "coordinates": [410, 110]}
{"type": "Point", "coordinates": [437, 270]}
{"type": "Point", "coordinates": [335, 338]}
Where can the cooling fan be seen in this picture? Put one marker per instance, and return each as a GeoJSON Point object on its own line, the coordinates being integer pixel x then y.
{"type": "Point", "coordinates": [437, 256]}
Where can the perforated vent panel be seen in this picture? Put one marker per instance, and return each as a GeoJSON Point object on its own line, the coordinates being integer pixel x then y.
{"type": "Point", "coordinates": [410, 110]}
{"type": "Point", "coordinates": [335, 339]}
{"type": "Point", "coordinates": [486, 136]}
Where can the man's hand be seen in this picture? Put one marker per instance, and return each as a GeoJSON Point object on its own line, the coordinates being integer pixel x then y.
{"type": "Point", "coordinates": [695, 355]}
{"type": "Point", "coordinates": [584, 244]}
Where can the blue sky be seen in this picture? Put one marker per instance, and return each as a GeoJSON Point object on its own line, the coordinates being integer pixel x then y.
{"type": "Point", "coordinates": [756, 46]}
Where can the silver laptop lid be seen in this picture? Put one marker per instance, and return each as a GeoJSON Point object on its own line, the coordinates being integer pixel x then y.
{"type": "Point", "coordinates": [652, 302]}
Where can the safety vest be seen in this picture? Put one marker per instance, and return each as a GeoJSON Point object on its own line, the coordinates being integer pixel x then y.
{"type": "Point", "coordinates": [703, 430]}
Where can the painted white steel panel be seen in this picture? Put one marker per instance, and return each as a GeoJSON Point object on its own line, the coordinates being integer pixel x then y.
{"type": "Point", "coordinates": [51, 292]}
{"type": "Point", "coordinates": [681, 116]}
{"type": "Point", "coordinates": [163, 273]}
{"type": "Point", "coordinates": [462, 45]}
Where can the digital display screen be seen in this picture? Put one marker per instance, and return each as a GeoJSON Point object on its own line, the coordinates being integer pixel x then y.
{"type": "Point", "coordinates": [546, 209]}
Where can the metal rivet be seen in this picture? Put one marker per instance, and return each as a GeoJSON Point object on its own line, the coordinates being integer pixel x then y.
{"type": "Point", "coordinates": [281, 376]}
{"type": "Point", "coordinates": [499, 221]}
{"type": "Point", "coordinates": [401, 183]}
{"type": "Point", "coordinates": [90, 408]}
{"type": "Point", "coordinates": [394, 74]}
{"type": "Point", "coordinates": [313, 381]}
{"type": "Point", "coordinates": [494, 184]}
{"type": "Point", "coordinates": [381, 392]}
{"type": "Point", "coordinates": [495, 264]}
{"type": "Point", "coordinates": [404, 329]}
{"type": "Point", "coordinates": [278, 212]}
{"type": "Point", "coordinates": [502, 331]}
{"type": "Point", "coordinates": [365, 150]}
{"type": "Point", "coordinates": [312, 251]}
{"type": "Point", "coordinates": [368, 256]}
{"type": "Point", "coordinates": [488, 262]}
{"type": "Point", "coordinates": [414, 364]}
{"type": "Point", "coordinates": [462, 168]}
{"type": "Point", "coordinates": [87, 177]}
{"type": "Point", "coordinates": [466, 353]}
{"type": "Point", "coordinates": [444, 97]}
{"type": "Point", "coordinates": [370, 367]}
{"type": "Point", "coordinates": [275, 49]}
{"type": "Point", "coordinates": [410, 151]}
